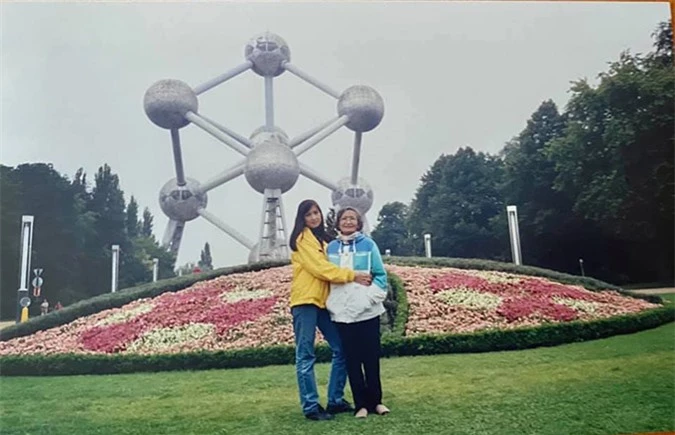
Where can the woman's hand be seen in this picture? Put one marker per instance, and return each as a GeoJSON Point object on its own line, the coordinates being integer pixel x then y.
{"type": "Point", "coordinates": [363, 279]}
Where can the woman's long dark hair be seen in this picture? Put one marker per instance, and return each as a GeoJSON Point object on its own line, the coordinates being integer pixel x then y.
{"type": "Point", "coordinates": [319, 232]}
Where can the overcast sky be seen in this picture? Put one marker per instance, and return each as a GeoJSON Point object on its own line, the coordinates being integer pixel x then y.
{"type": "Point", "coordinates": [450, 74]}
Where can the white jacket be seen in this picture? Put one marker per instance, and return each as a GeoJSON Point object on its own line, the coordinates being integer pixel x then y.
{"type": "Point", "coordinates": [352, 302]}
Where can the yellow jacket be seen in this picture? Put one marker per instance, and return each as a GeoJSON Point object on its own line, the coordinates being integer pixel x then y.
{"type": "Point", "coordinates": [312, 272]}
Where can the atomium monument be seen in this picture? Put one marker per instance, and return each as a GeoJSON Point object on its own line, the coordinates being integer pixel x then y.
{"type": "Point", "coordinates": [270, 158]}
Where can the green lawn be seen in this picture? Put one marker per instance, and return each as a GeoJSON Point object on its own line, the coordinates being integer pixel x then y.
{"type": "Point", "coordinates": [619, 385]}
{"type": "Point", "coordinates": [669, 297]}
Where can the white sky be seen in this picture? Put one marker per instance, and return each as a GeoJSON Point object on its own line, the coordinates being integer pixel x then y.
{"type": "Point", "coordinates": [451, 75]}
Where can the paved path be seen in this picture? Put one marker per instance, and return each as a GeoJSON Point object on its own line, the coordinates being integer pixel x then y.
{"type": "Point", "coordinates": [655, 291]}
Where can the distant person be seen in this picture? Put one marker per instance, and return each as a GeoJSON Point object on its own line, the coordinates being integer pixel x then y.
{"type": "Point", "coordinates": [356, 310]}
{"type": "Point", "coordinates": [58, 306]}
{"type": "Point", "coordinates": [312, 273]}
{"type": "Point", "coordinates": [44, 307]}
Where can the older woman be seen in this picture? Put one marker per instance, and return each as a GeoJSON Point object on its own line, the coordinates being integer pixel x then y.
{"type": "Point", "coordinates": [309, 289]}
{"type": "Point", "coordinates": [356, 310]}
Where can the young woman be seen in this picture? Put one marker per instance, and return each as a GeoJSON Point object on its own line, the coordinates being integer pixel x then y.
{"type": "Point", "coordinates": [356, 311]}
{"type": "Point", "coordinates": [312, 273]}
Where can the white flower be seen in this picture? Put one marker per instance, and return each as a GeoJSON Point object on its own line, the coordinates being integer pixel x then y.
{"type": "Point", "coordinates": [579, 305]}
{"type": "Point", "coordinates": [244, 294]}
{"type": "Point", "coordinates": [122, 314]}
{"type": "Point", "coordinates": [470, 299]}
{"type": "Point", "coordinates": [163, 338]}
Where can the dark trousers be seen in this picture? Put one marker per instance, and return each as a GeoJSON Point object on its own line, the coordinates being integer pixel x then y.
{"type": "Point", "coordinates": [361, 347]}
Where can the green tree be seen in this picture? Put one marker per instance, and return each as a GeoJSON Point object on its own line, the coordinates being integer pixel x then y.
{"type": "Point", "coordinates": [146, 226]}
{"type": "Point", "coordinates": [132, 224]}
{"type": "Point", "coordinates": [615, 160]}
{"type": "Point", "coordinates": [40, 191]}
{"type": "Point", "coordinates": [10, 225]}
{"type": "Point", "coordinates": [391, 231]}
{"type": "Point", "coordinates": [457, 203]}
{"type": "Point", "coordinates": [205, 261]}
{"type": "Point", "coordinates": [71, 240]}
{"type": "Point", "coordinates": [106, 204]}
{"type": "Point", "coordinates": [545, 222]}
{"type": "Point", "coordinates": [145, 249]}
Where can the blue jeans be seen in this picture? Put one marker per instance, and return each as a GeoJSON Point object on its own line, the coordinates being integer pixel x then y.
{"type": "Point", "coordinates": [306, 318]}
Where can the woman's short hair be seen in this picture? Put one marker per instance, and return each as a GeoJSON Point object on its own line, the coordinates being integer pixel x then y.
{"type": "Point", "coordinates": [359, 219]}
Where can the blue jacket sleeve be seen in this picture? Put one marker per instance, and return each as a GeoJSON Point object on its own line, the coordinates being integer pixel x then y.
{"type": "Point", "coordinates": [377, 267]}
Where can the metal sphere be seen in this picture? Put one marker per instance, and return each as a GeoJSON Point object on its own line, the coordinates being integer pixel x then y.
{"type": "Point", "coordinates": [181, 203]}
{"type": "Point", "coordinates": [364, 107]}
{"type": "Point", "coordinates": [359, 196]}
{"type": "Point", "coordinates": [268, 53]}
{"type": "Point", "coordinates": [167, 101]}
{"type": "Point", "coordinates": [271, 165]}
{"type": "Point", "coordinates": [261, 135]}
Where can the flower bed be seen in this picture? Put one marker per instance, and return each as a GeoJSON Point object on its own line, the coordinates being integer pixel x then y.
{"type": "Point", "coordinates": [229, 312]}
{"type": "Point", "coordinates": [250, 310]}
{"type": "Point", "coordinates": [449, 300]}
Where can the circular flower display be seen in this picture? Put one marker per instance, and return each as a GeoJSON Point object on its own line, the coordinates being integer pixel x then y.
{"type": "Point", "coordinates": [252, 310]}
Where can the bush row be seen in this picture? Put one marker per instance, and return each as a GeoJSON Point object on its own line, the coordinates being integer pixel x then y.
{"type": "Point", "coordinates": [392, 345]}
{"type": "Point", "coordinates": [400, 315]}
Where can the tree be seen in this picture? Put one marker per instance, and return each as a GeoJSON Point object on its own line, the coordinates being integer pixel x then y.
{"type": "Point", "coordinates": [456, 204]}
{"type": "Point", "coordinates": [146, 227]}
{"type": "Point", "coordinates": [106, 203]}
{"type": "Point", "coordinates": [663, 43]}
{"type": "Point", "coordinates": [529, 173]}
{"type": "Point", "coordinates": [205, 261]}
{"type": "Point", "coordinates": [10, 225]}
{"type": "Point", "coordinates": [40, 191]}
{"type": "Point", "coordinates": [71, 239]}
{"type": "Point", "coordinates": [145, 249]}
{"type": "Point", "coordinates": [545, 221]}
{"type": "Point", "coordinates": [132, 224]}
{"type": "Point", "coordinates": [391, 231]}
{"type": "Point", "coordinates": [615, 160]}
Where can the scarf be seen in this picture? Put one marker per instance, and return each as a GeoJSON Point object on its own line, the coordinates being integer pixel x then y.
{"type": "Point", "coordinates": [349, 238]}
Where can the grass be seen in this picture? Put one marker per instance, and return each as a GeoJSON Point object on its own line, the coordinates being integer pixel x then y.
{"type": "Point", "coordinates": [669, 297]}
{"type": "Point", "coordinates": [620, 385]}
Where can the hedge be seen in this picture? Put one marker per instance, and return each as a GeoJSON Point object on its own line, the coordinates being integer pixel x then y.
{"type": "Point", "coordinates": [486, 341]}
{"type": "Point", "coordinates": [401, 317]}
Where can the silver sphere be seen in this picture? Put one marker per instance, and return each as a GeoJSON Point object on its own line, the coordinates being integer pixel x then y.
{"type": "Point", "coordinates": [268, 53]}
{"type": "Point", "coordinates": [277, 253]}
{"type": "Point", "coordinates": [167, 101]}
{"type": "Point", "coordinates": [359, 196]}
{"type": "Point", "coordinates": [261, 134]}
{"type": "Point", "coordinates": [271, 165]}
{"type": "Point", "coordinates": [181, 203]}
{"type": "Point", "coordinates": [364, 107]}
